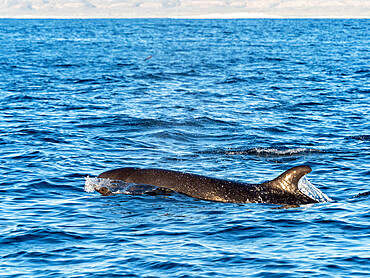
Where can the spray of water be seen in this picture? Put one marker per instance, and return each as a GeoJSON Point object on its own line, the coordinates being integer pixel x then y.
{"type": "Point", "coordinates": [114, 186]}
{"type": "Point", "coordinates": [307, 188]}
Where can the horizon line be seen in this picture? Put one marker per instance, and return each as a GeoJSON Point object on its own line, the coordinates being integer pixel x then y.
{"type": "Point", "coordinates": [184, 17]}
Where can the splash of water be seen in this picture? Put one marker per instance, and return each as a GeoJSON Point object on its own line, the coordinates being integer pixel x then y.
{"type": "Point", "coordinates": [117, 186]}
{"type": "Point", "coordinates": [114, 186]}
{"type": "Point", "coordinates": [307, 188]}
{"type": "Point", "coordinates": [272, 152]}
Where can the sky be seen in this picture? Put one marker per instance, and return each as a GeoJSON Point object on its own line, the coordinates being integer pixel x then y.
{"type": "Point", "coordinates": [184, 8]}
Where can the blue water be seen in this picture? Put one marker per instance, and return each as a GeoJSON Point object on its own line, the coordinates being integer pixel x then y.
{"type": "Point", "coordinates": [235, 99]}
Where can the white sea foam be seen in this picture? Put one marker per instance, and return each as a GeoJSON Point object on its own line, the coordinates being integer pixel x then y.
{"type": "Point", "coordinates": [117, 186]}
{"type": "Point", "coordinates": [307, 188]}
{"type": "Point", "coordinates": [94, 183]}
{"type": "Point", "coordinates": [114, 186]}
{"type": "Point", "coordinates": [274, 152]}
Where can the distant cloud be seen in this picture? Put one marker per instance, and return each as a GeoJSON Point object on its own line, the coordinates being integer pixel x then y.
{"type": "Point", "coordinates": [185, 8]}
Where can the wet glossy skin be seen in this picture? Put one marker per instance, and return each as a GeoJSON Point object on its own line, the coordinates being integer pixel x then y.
{"type": "Point", "coordinates": [282, 190]}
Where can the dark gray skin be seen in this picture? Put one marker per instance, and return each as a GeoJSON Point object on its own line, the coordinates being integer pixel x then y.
{"type": "Point", "coordinates": [282, 190]}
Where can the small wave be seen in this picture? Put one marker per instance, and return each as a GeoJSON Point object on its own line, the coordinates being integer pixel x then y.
{"type": "Point", "coordinates": [48, 234]}
{"type": "Point", "coordinates": [143, 122]}
{"type": "Point", "coordinates": [274, 59]}
{"type": "Point", "coordinates": [26, 155]}
{"type": "Point", "coordinates": [312, 103]}
{"type": "Point", "coordinates": [307, 188]}
{"type": "Point", "coordinates": [361, 137]}
{"type": "Point", "coordinates": [363, 194]}
{"type": "Point", "coordinates": [152, 76]}
{"type": "Point", "coordinates": [175, 134]}
{"type": "Point", "coordinates": [185, 73]}
{"type": "Point", "coordinates": [272, 152]}
{"type": "Point", "coordinates": [65, 65]}
{"type": "Point", "coordinates": [209, 120]}
{"type": "Point", "coordinates": [84, 81]}
{"type": "Point", "coordinates": [233, 80]}
{"type": "Point", "coordinates": [23, 98]}
{"type": "Point", "coordinates": [125, 64]}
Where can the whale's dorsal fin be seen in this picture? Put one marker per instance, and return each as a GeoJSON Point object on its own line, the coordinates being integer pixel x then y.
{"type": "Point", "coordinates": [288, 181]}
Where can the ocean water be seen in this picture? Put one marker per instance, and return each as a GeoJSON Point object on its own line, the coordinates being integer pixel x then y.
{"type": "Point", "coordinates": [235, 99]}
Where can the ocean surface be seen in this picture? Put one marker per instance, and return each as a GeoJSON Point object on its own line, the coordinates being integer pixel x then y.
{"type": "Point", "coordinates": [243, 100]}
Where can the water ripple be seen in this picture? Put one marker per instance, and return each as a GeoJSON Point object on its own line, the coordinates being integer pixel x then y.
{"type": "Point", "coordinates": [233, 99]}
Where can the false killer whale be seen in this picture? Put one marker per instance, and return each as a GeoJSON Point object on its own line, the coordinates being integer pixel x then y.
{"type": "Point", "coordinates": [282, 190]}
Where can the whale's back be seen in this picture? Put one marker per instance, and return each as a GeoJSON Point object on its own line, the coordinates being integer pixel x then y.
{"type": "Point", "coordinates": [281, 190]}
